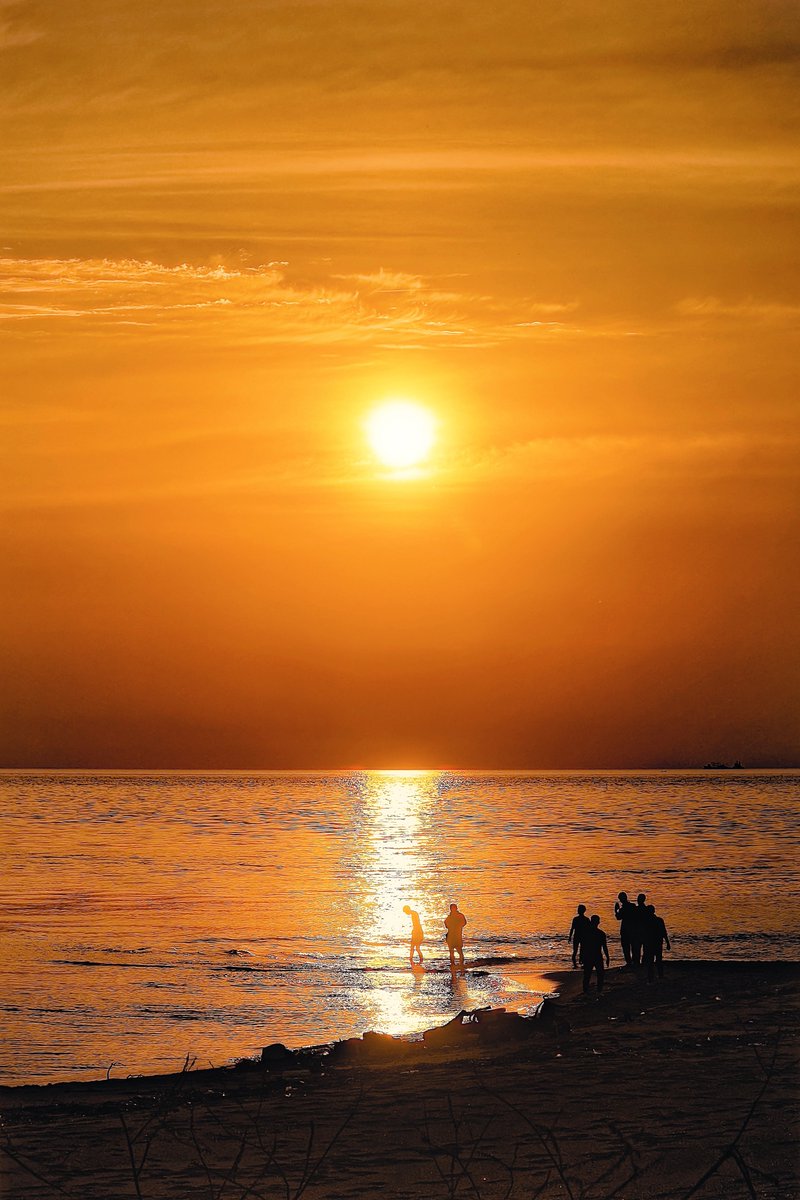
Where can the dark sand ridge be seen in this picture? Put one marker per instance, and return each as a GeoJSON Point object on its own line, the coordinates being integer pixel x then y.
{"type": "Point", "coordinates": [687, 1087]}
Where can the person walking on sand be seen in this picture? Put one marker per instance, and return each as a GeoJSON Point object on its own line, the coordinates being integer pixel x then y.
{"type": "Point", "coordinates": [579, 922]}
{"type": "Point", "coordinates": [655, 935]}
{"type": "Point", "coordinates": [417, 936]}
{"type": "Point", "coordinates": [638, 925]}
{"type": "Point", "coordinates": [595, 948]}
{"type": "Point", "coordinates": [454, 924]}
{"type": "Point", "coordinates": [625, 912]}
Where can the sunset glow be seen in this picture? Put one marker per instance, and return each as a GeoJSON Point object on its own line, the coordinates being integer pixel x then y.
{"type": "Point", "coordinates": [534, 265]}
{"type": "Point", "coordinates": [399, 512]}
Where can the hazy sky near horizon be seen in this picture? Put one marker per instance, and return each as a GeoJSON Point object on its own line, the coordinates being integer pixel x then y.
{"type": "Point", "coordinates": [229, 230]}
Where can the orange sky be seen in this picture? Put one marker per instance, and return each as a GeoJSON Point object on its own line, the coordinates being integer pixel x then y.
{"type": "Point", "coordinates": [229, 229]}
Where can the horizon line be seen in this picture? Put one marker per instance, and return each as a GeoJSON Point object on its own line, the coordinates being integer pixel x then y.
{"type": "Point", "coordinates": [394, 770]}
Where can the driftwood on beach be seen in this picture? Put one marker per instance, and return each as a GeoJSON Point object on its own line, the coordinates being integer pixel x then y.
{"type": "Point", "coordinates": [468, 1029]}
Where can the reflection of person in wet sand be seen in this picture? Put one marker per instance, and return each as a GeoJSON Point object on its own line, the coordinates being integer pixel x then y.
{"type": "Point", "coordinates": [454, 924]}
{"type": "Point", "coordinates": [417, 936]}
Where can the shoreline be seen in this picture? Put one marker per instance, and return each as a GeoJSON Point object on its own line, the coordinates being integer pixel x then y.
{"type": "Point", "coordinates": [639, 1095]}
{"type": "Point", "coordinates": [567, 988]}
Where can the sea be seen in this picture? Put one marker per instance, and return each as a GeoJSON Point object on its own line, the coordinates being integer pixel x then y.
{"type": "Point", "coordinates": [152, 921]}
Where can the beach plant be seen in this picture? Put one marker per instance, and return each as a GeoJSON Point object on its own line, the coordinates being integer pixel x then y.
{"type": "Point", "coordinates": [732, 1152]}
{"type": "Point", "coordinates": [230, 1141]}
{"type": "Point", "coordinates": [254, 1162]}
{"type": "Point", "coordinates": [459, 1155]}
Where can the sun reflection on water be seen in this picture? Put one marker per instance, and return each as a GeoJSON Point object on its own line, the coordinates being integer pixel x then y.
{"type": "Point", "coordinates": [397, 861]}
{"type": "Point", "coordinates": [394, 851]}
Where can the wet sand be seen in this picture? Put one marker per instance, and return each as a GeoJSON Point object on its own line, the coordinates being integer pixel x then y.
{"type": "Point", "coordinates": [686, 1087]}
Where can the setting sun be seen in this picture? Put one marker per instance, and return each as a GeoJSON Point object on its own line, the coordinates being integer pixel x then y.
{"type": "Point", "coordinates": [401, 433]}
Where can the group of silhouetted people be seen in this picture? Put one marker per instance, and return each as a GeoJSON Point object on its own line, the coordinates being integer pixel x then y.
{"type": "Point", "coordinates": [590, 944]}
{"type": "Point", "coordinates": [642, 935]}
{"type": "Point", "coordinates": [454, 924]}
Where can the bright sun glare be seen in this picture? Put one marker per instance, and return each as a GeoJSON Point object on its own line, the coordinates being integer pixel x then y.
{"type": "Point", "coordinates": [401, 433]}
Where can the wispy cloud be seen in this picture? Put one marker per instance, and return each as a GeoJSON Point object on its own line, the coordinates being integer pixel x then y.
{"type": "Point", "coordinates": [750, 309]}
{"type": "Point", "coordinates": [608, 462]}
{"type": "Point", "coordinates": [243, 169]}
{"type": "Point", "coordinates": [656, 457]}
{"type": "Point", "coordinates": [257, 304]}
{"type": "Point", "coordinates": [14, 30]}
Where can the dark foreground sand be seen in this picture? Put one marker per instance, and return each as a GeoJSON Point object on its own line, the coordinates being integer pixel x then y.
{"type": "Point", "coordinates": [688, 1087]}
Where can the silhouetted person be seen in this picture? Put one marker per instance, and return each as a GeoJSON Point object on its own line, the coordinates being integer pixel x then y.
{"type": "Point", "coordinates": [638, 925]}
{"type": "Point", "coordinates": [625, 912]}
{"type": "Point", "coordinates": [655, 935]}
{"type": "Point", "coordinates": [579, 922]}
{"type": "Point", "coordinates": [454, 924]}
{"type": "Point", "coordinates": [417, 936]}
{"type": "Point", "coordinates": [594, 947]}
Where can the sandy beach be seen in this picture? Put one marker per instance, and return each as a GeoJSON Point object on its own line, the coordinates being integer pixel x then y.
{"type": "Point", "coordinates": [685, 1087]}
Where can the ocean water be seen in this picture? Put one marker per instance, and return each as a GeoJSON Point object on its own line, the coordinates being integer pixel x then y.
{"type": "Point", "coordinates": [150, 917]}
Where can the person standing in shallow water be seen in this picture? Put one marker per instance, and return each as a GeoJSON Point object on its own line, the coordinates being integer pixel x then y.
{"type": "Point", "coordinates": [638, 925]}
{"type": "Point", "coordinates": [454, 924]}
{"type": "Point", "coordinates": [595, 948]}
{"type": "Point", "coordinates": [655, 935]}
{"type": "Point", "coordinates": [625, 912]}
{"type": "Point", "coordinates": [579, 922]}
{"type": "Point", "coordinates": [417, 936]}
